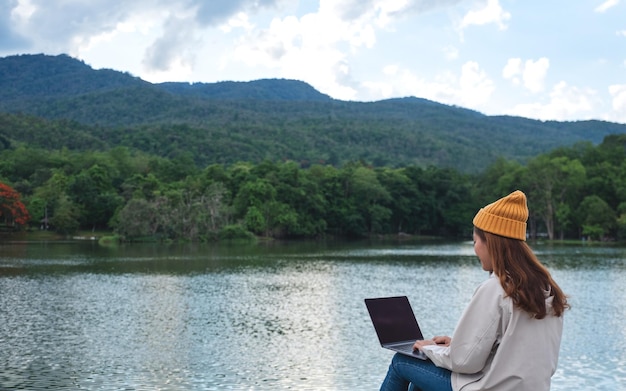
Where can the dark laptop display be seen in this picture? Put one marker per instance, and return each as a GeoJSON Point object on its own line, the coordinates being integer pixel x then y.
{"type": "Point", "coordinates": [395, 324]}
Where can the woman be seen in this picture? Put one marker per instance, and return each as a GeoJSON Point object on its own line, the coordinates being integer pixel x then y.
{"type": "Point", "coordinates": [509, 335]}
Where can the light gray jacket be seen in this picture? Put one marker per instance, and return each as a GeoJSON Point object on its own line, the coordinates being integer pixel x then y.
{"type": "Point", "coordinates": [497, 346]}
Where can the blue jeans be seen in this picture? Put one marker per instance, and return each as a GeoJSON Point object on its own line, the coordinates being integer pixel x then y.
{"type": "Point", "coordinates": [405, 372]}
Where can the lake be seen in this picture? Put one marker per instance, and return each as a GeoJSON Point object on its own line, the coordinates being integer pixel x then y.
{"type": "Point", "coordinates": [275, 316]}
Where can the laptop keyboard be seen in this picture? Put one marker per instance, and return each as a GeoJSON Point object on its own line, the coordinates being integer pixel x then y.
{"type": "Point", "coordinates": [408, 348]}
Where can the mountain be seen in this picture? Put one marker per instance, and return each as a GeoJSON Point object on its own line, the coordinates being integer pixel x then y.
{"type": "Point", "coordinates": [50, 101]}
{"type": "Point", "coordinates": [265, 89]}
{"type": "Point", "coordinates": [27, 77]}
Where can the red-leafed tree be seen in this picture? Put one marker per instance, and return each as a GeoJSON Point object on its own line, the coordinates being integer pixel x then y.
{"type": "Point", "coordinates": [13, 213]}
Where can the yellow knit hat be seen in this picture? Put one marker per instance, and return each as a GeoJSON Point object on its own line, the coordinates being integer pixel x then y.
{"type": "Point", "coordinates": [505, 217]}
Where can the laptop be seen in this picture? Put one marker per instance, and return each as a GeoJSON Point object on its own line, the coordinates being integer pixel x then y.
{"type": "Point", "coordinates": [395, 324]}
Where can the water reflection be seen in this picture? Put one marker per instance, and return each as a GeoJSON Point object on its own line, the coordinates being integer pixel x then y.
{"type": "Point", "coordinates": [268, 317]}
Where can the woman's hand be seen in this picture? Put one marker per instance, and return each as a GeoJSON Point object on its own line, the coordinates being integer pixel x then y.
{"type": "Point", "coordinates": [437, 340]}
{"type": "Point", "coordinates": [422, 342]}
{"type": "Point", "coordinates": [443, 340]}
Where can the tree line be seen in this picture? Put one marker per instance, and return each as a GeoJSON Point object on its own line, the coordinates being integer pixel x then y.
{"type": "Point", "coordinates": [573, 192]}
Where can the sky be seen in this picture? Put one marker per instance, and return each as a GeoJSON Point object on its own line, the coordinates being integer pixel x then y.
{"type": "Point", "coordinates": [561, 60]}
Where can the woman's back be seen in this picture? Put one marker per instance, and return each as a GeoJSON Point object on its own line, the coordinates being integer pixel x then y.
{"type": "Point", "coordinates": [525, 352]}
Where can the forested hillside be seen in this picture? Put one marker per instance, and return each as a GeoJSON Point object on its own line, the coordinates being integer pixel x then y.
{"type": "Point", "coordinates": [572, 192]}
{"type": "Point", "coordinates": [103, 150]}
{"type": "Point", "coordinates": [277, 120]}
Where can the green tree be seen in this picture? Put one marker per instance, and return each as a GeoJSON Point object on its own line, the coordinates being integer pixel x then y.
{"type": "Point", "coordinates": [214, 207]}
{"type": "Point", "coordinates": [92, 190]}
{"type": "Point", "coordinates": [621, 221]}
{"type": "Point", "coordinates": [402, 199]}
{"type": "Point", "coordinates": [422, 209]}
{"type": "Point", "coordinates": [66, 215]}
{"type": "Point", "coordinates": [549, 180]}
{"type": "Point", "coordinates": [138, 218]}
{"type": "Point", "coordinates": [366, 199]}
{"type": "Point", "coordinates": [606, 167]}
{"type": "Point", "coordinates": [303, 206]}
{"type": "Point", "coordinates": [146, 186]}
{"type": "Point", "coordinates": [499, 179]}
{"type": "Point", "coordinates": [370, 197]}
{"type": "Point", "coordinates": [598, 219]}
{"type": "Point", "coordinates": [258, 194]}
{"type": "Point", "coordinates": [336, 211]}
{"type": "Point", "coordinates": [191, 215]}
{"type": "Point", "coordinates": [254, 220]}
{"type": "Point", "coordinates": [564, 218]}
{"type": "Point", "coordinates": [172, 170]}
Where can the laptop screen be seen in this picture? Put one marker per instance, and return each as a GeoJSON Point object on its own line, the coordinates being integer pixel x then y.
{"type": "Point", "coordinates": [393, 319]}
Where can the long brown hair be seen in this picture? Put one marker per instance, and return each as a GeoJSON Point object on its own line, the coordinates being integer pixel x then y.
{"type": "Point", "coordinates": [522, 276]}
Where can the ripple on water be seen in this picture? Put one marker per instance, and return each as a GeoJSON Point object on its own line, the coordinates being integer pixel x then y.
{"type": "Point", "coordinates": [271, 323]}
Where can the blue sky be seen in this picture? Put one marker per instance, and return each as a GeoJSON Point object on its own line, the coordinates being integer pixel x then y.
{"type": "Point", "coordinates": [548, 60]}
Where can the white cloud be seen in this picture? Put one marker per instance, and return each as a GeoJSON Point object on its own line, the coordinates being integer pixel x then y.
{"type": "Point", "coordinates": [618, 95]}
{"type": "Point", "coordinates": [173, 47]}
{"type": "Point", "coordinates": [240, 20]}
{"type": "Point", "coordinates": [472, 88]}
{"type": "Point", "coordinates": [304, 48]}
{"type": "Point", "coordinates": [476, 87]}
{"type": "Point", "coordinates": [532, 73]}
{"type": "Point", "coordinates": [565, 103]}
{"type": "Point", "coordinates": [123, 46]}
{"type": "Point", "coordinates": [403, 82]}
{"type": "Point", "coordinates": [379, 12]}
{"type": "Point", "coordinates": [317, 46]}
{"type": "Point", "coordinates": [268, 47]}
{"type": "Point", "coordinates": [23, 11]}
{"type": "Point", "coordinates": [535, 74]}
{"type": "Point", "coordinates": [450, 52]}
{"type": "Point", "coordinates": [512, 70]}
{"type": "Point", "coordinates": [492, 13]}
{"type": "Point", "coordinates": [606, 5]}
{"type": "Point", "coordinates": [215, 12]}
{"type": "Point", "coordinates": [390, 69]}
